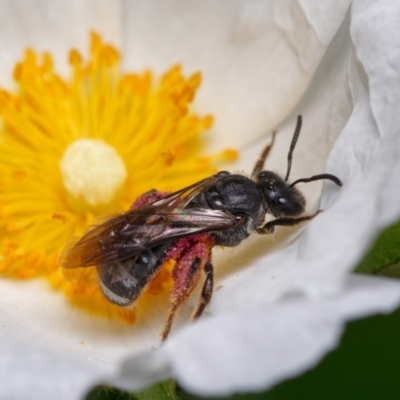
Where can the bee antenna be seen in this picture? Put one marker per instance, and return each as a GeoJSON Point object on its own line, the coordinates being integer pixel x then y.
{"type": "Point", "coordinates": [332, 178]}
{"type": "Point", "coordinates": [293, 145]}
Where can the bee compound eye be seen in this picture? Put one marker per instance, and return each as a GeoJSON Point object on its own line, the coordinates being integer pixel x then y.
{"type": "Point", "coordinates": [289, 206]}
{"type": "Point", "coordinates": [282, 201]}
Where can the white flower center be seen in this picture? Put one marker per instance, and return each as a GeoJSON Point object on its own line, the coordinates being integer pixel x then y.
{"type": "Point", "coordinates": [92, 171]}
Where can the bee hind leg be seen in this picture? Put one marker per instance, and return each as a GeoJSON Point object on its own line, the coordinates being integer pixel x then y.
{"type": "Point", "coordinates": [186, 274]}
{"type": "Point", "coordinates": [168, 323]}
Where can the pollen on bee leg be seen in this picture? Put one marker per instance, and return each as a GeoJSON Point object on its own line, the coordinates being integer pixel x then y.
{"type": "Point", "coordinates": [92, 171]}
{"type": "Point", "coordinates": [191, 255]}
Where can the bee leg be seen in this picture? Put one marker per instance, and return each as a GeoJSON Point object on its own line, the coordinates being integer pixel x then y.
{"type": "Point", "coordinates": [269, 227]}
{"type": "Point", "coordinates": [168, 324]}
{"type": "Point", "coordinates": [185, 274]}
{"type": "Point", "coordinates": [207, 290]}
{"type": "Point", "coordinates": [194, 256]}
{"type": "Point", "coordinates": [261, 161]}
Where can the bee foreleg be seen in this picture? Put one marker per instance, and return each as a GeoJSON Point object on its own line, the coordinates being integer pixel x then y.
{"type": "Point", "coordinates": [269, 227]}
{"type": "Point", "coordinates": [206, 292]}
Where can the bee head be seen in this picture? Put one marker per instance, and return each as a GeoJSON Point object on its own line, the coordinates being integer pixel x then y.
{"type": "Point", "coordinates": [281, 199]}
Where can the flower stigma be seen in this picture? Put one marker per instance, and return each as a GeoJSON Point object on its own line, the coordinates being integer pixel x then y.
{"type": "Point", "coordinates": [73, 149]}
{"type": "Point", "coordinates": [92, 170]}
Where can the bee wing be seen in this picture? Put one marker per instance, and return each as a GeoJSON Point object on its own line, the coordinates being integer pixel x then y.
{"type": "Point", "coordinates": [139, 229]}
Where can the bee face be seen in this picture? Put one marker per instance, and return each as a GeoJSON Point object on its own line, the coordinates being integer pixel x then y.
{"type": "Point", "coordinates": [281, 199]}
{"type": "Point", "coordinates": [183, 226]}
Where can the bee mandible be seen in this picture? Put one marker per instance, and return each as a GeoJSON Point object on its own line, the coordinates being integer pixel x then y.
{"type": "Point", "coordinates": [184, 226]}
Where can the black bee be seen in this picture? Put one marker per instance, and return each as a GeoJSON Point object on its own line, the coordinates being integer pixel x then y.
{"type": "Point", "coordinates": [184, 226]}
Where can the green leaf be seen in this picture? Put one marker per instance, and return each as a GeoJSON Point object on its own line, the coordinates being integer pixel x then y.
{"type": "Point", "coordinates": [162, 391]}
{"type": "Point", "coordinates": [384, 253]}
{"type": "Point", "coordinates": [107, 393]}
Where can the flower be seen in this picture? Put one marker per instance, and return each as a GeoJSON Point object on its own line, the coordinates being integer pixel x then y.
{"type": "Point", "coordinates": [262, 64]}
{"type": "Point", "coordinates": [70, 152]}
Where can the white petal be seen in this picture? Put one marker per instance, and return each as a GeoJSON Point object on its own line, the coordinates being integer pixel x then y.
{"type": "Point", "coordinates": [252, 350]}
{"type": "Point", "coordinates": [257, 58]}
{"type": "Point", "coordinates": [38, 374]}
{"type": "Point", "coordinates": [312, 269]}
{"type": "Point", "coordinates": [37, 316]}
{"type": "Point", "coordinates": [257, 282]}
{"type": "Point", "coordinates": [375, 34]}
{"type": "Point", "coordinates": [55, 26]}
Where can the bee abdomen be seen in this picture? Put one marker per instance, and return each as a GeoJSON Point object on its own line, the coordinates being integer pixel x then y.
{"type": "Point", "coordinates": [122, 282]}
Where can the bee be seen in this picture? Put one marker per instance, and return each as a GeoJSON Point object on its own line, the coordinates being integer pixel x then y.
{"type": "Point", "coordinates": [184, 226]}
